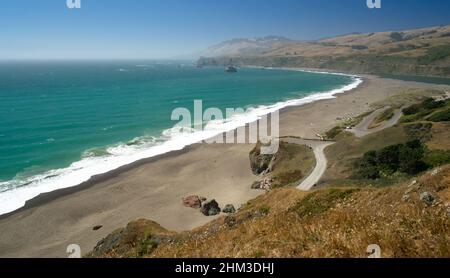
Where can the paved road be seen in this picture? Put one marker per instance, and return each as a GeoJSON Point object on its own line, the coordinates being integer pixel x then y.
{"type": "Point", "coordinates": [318, 148]}
{"type": "Point", "coordinates": [362, 129]}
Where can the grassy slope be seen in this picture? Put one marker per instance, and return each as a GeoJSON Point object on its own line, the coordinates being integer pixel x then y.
{"type": "Point", "coordinates": [325, 223]}
{"type": "Point", "coordinates": [294, 163]}
{"type": "Point", "coordinates": [342, 155]}
{"type": "Point", "coordinates": [422, 52]}
{"type": "Point", "coordinates": [331, 222]}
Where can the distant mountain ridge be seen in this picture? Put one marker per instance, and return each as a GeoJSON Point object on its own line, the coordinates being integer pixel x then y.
{"type": "Point", "coordinates": [424, 51]}
{"type": "Point", "coordinates": [246, 46]}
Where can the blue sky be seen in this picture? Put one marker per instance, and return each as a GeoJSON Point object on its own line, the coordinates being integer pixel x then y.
{"type": "Point", "coordinates": [104, 29]}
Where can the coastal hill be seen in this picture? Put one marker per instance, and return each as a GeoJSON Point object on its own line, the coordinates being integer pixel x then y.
{"type": "Point", "coordinates": [243, 47]}
{"type": "Point", "coordinates": [390, 188]}
{"type": "Point", "coordinates": [416, 52]}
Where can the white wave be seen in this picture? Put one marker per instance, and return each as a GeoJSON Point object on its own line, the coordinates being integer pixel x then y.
{"type": "Point", "coordinates": [15, 193]}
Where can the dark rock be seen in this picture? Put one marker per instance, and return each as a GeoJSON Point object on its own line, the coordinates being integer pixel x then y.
{"type": "Point", "coordinates": [256, 185]}
{"type": "Point", "coordinates": [192, 202]}
{"type": "Point", "coordinates": [96, 228]}
{"type": "Point", "coordinates": [120, 242]}
{"type": "Point", "coordinates": [210, 208]}
{"type": "Point", "coordinates": [229, 209]}
{"type": "Point", "coordinates": [260, 163]}
{"type": "Point", "coordinates": [427, 198]}
{"type": "Point", "coordinates": [109, 243]}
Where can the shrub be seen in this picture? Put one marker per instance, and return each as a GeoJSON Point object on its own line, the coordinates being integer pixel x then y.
{"type": "Point", "coordinates": [406, 158]}
{"type": "Point", "coordinates": [321, 201]}
{"type": "Point", "coordinates": [396, 36]}
{"type": "Point", "coordinates": [442, 116]}
{"type": "Point", "coordinates": [332, 133]}
{"type": "Point", "coordinates": [264, 210]}
{"type": "Point", "coordinates": [421, 131]}
{"type": "Point", "coordinates": [412, 110]}
{"type": "Point", "coordinates": [437, 158]}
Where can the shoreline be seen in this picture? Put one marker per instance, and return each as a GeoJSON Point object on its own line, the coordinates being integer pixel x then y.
{"type": "Point", "coordinates": [153, 188]}
{"type": "Point", "coordinates": [44, 198]}
{"type": "Point", "coordinates": [265, 110]}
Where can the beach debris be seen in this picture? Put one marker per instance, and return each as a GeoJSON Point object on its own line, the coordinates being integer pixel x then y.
{"type": "Point", "coordinates": [193, 201]}
{"type": "Point", "coordinates": [427, 198]}
{"type": "Point", "coordinates": [229, 209]}
{"type": "Point", "coordinates": [96, 228]}
{"type": "Point", "coordinates": [210, 208]}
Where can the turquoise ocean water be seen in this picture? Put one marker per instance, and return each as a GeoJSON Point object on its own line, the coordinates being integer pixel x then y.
{"type": "Point", "coordinates": [62, 122]}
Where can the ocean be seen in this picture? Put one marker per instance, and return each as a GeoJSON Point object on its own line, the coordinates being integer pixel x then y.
{"type": "Point", "coordinates": [63, 122]}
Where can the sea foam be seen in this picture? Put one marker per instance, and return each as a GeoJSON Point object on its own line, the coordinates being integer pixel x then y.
{"type": "Point", "coordinates": [17, 192]}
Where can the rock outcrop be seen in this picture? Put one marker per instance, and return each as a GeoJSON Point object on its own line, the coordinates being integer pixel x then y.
{"type": "Point", "coordinates": [122, 242]}
{"type": "Point", "coordinates": [427, 198]}
{"type": "Point", "coordinates": [229, 209]}
{"type": "Point", "coordinates": [210, 208]}
{"type": "Point", "coordinates": [261, 163]}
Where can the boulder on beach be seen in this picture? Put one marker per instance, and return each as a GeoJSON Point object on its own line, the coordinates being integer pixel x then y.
{"type": "Point", "coordinates": [193, 202]}
{"type": "Point", "coordinates": [210, 208]}
{"type": "Point", "coordinates": [229, 209]}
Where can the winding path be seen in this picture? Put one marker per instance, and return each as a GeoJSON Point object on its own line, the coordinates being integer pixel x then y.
{"type": "Point", "coordinates": [362, 129]}
{"type": "Point", "coordinates": [318, 147]}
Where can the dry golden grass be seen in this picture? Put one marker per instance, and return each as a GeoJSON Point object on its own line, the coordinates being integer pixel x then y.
{"type": "Point", "coordinates": [325, 223]}
{"type": "Point", "coordinates": [341, 155]}
{"type": "Point", "coordinates": [415, 43]}
{"type": "Point", "coordinates": [293, 163]}
{"type": "Point", "coordinates": [329, 223]}
{"type": "Point", "coordinates": [440, 136]}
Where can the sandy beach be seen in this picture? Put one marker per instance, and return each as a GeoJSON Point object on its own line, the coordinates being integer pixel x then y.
{"type": "Point", "coordinates": [153, 189]}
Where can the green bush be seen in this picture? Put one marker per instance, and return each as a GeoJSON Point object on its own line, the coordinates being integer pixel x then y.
{"type": "Point", "coordinates": [321, 201]}
{"type": "Point", "coordinates": [405, 158]}
{"type": "Point", "coordinates": [412, 110]}
{"type": "Point", "coordinates": [437, 158]}
{"type": "Point", "coordinates": [396, 36]}
{"type": "Point", "coordinates": [426, 107]}
{"type": "Point", "coordinates": [442, 116]}
{"type": "Point", "coordinates": [332, 133]}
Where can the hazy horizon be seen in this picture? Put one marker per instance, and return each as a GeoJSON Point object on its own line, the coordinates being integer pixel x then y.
{"type": "Point", "coordinates": [175, 29]}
